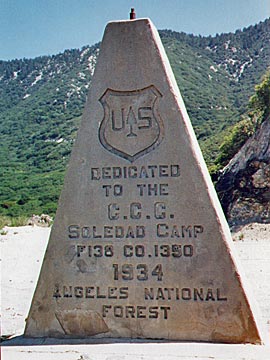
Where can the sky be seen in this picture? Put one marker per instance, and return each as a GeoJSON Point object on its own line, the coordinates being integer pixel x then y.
{"type": "Point", "coordinates": [31, 28]}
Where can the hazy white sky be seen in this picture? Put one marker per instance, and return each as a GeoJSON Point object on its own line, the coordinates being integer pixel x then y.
{"type": "Point", "coordinates": [29, 28]}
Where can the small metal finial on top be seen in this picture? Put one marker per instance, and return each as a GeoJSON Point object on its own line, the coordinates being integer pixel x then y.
{"type": "Point", "coordinates": [132, 15]}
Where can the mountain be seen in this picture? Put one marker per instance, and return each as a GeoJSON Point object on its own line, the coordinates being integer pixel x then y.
{"type": "Point", "coordinates": [217, 78]}
{"type": "Point", "coordinates": [41, 101]}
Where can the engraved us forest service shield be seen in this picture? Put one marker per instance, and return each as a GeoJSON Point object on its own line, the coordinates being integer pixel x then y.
{"type": "Point", "coordinates": [131, 126]}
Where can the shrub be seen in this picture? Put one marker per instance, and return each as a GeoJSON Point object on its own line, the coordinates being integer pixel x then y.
{"type": "Point", "coordinates": [234, 141]}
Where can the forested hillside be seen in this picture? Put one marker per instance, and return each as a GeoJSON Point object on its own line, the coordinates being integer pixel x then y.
{"type": "Point", "coordinates": [41, 101]}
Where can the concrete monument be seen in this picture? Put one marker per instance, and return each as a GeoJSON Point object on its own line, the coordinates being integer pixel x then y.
{"type": "Point", "coordinates": [140, 247]}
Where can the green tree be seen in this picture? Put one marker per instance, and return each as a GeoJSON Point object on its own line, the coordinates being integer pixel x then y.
{"type": "Point", "coordinates": [234, 141]}
{"type": "Point", "coordinates": [260, 101]}
{"type": "Point", "coordinates": [237, 135]}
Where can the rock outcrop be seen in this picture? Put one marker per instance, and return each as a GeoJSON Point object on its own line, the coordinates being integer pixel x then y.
{"type": "Point", "coordinates": [244, 184]}
{"type": "Point", "coordinates": [43, 220]}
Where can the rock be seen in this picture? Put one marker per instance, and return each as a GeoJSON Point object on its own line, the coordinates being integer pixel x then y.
{"type": "Point", "coordinates": [43, 220]}
{"type": "Point", "coordinates": [244, 184]}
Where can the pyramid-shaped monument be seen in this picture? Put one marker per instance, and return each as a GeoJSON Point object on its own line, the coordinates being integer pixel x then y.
{"type": "Point", "coordinates": [140, 247]}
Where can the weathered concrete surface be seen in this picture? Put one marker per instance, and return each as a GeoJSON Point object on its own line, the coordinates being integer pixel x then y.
{"type": "Point", "coordinates": [140, 247]}
{"type": "Point", "coordinates": [19, 279]}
